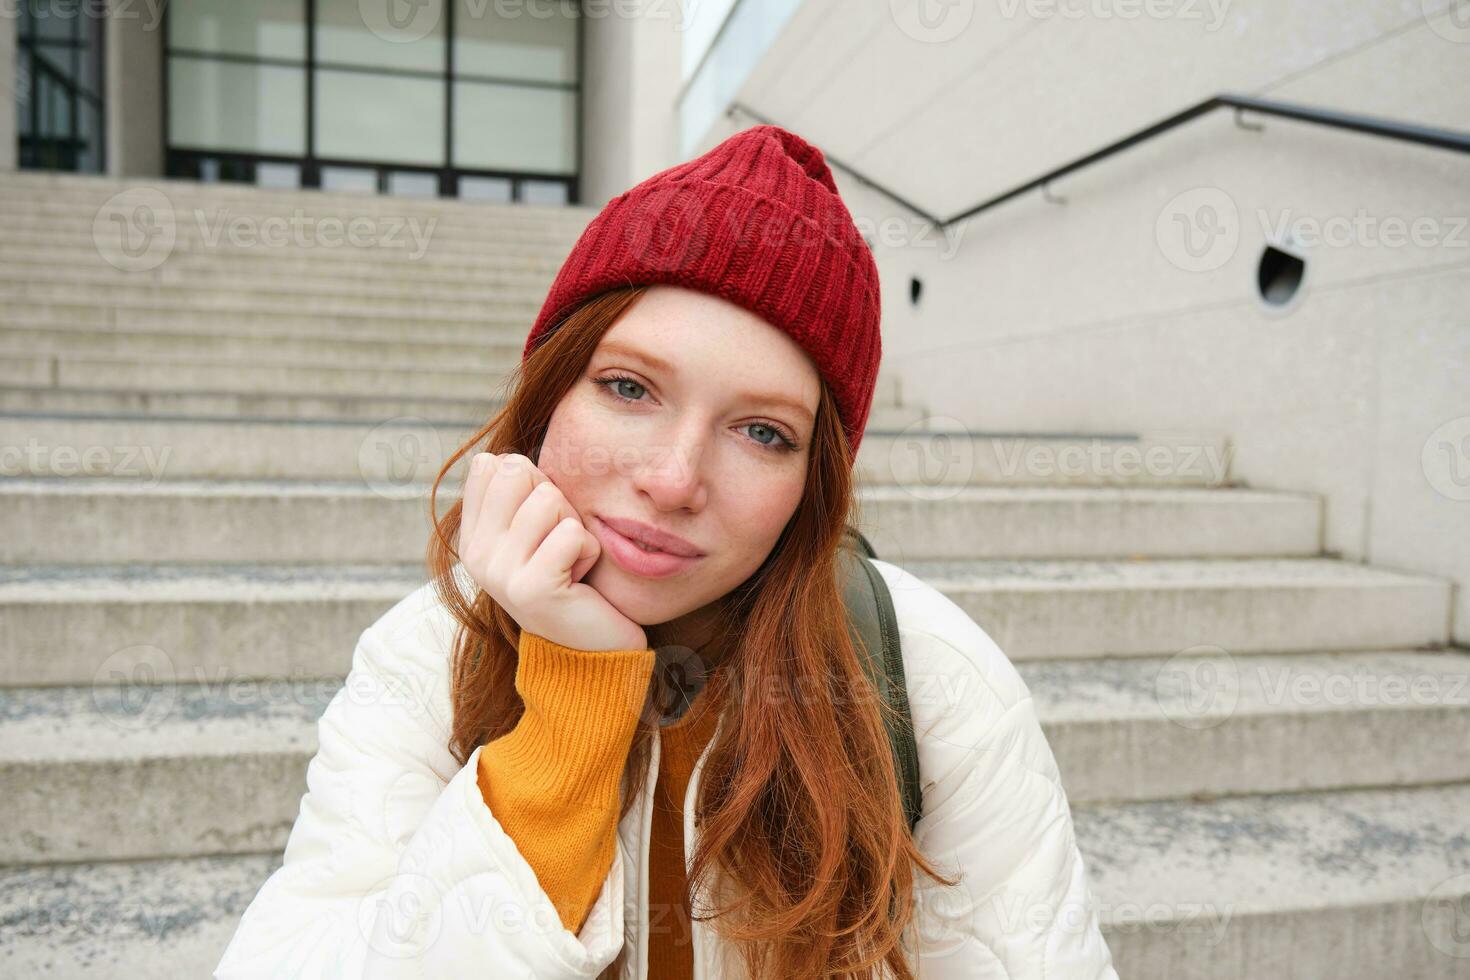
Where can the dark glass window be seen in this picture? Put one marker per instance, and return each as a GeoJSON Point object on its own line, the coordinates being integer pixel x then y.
{"type": "Point", "coordinates": [58, 98]}
{"type": "Point", "coordinates": [450, 97]}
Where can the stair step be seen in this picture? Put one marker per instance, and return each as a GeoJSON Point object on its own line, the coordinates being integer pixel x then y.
{"type": "Point", "coordinates": [167, 920]}
{"type": "Point", "coordinates": [1356, 885]}
{"type": "Point", "coordinates": [320, 235]}
{"type": "Point", "coordinates": [89, 767]}
{"type": "Point", "coordinates": [256, 375]}
{"type": "Point", "coordinates": [22, 403]}
{"type": "Point", "coordinates": [60, 185]}
{"type": "Point", "coordinates": [55, 521]}
{"type": "Point", "coordinates": [136, 770]}
{"type": "Point", "coordinates": [270, 313]}
{"type": "Point", "coordinates": [204, 299]}
{"type": "Point", "coordinates": [60, 624]}
{"type": "Point", "coordinates": [1352, 885]}
{"type": "Point", "coordinates": [1087, 522]}
{"type": "Point", "coordinates": [272, 620]}
{"type": "Point", "coordinates": [1080, 609]}
{"type": "Point", "coordinates": [488, 353]}
{"type": "Point", "coordinates": [185, 256]}
{"type": "Point", "coordinates": [404, 448]}
{"type": "Point", "coordinates": [195, 323]}
{"type": "Point", "coordinates": [81, 203]}
{"type": "Point", "coordinates": [1138, 729]}
{"type": "Point", "coordinates": [283, 278]}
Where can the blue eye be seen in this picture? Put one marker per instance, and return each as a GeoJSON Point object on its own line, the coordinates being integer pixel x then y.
{"type": "Point", "coordinates": [782, 443]}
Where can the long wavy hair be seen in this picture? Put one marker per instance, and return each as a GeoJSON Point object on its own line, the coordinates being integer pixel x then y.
{"type": "Point", "coordinates": [799, 808]}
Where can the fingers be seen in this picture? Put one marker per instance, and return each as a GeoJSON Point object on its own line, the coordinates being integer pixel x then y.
{"type": "Point", "coordinates": [537, 515]}
{"type": "Point", "coordinates": [511, 483]}
{"type": "Point", "coordinates": [558, 551]}
{"type": "Point", "coordinates": [506, 507]}
{"type": "Point", "coordinates": [482, 468]}
{"type": "Point", "coordinates": [591, 551]}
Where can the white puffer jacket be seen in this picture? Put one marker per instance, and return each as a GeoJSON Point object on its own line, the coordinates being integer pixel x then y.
{"type": "Point", "coordinates": [395, 866]}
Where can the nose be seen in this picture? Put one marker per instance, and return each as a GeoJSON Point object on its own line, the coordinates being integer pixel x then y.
{"type": "Point", "coordinates": [671, 472]}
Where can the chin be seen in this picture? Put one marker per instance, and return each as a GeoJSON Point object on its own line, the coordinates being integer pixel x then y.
{"type": "Point", "coordinates": [646, 602]}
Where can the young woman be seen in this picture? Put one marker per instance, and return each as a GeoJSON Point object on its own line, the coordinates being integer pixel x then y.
{"type": "Point", "coordinates": [624, 731]}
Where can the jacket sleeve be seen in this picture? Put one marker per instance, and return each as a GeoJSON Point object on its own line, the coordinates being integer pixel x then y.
{"type": "Point", "coordinates": [994, 811]}
{"type": "Point", "coordinates": [395, 867]}
{"type": "Point", "coordinates": [552, 781]}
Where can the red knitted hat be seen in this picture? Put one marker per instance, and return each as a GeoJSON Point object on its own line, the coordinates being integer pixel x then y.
{"type": "Point", "coordinates": [756, 220]}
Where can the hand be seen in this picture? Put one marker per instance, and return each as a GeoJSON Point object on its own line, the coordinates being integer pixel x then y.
{"type": "Point", "coordinates": [526, 546]}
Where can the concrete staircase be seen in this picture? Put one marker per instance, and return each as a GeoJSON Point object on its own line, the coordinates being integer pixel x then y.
{"type": "Point", "coordinates": [214, 471]}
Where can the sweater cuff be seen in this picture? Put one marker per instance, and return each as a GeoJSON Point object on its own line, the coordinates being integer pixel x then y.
{"type": "Point", "coordinates": [582, 709]}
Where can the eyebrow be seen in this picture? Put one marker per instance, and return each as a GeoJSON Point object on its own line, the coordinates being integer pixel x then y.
{"type": "Point", "coordinates": [659, 364]}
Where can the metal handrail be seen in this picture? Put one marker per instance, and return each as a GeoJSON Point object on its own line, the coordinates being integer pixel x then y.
{"type": "Point", "coordinates": [1445, 139]}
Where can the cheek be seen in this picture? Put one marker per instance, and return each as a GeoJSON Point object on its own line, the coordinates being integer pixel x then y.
{"type": "Point", "coordinates": [760, 507]}
{"type": "Point", "coordinates": [572, 446]}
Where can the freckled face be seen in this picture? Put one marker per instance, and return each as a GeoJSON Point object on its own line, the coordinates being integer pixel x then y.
{"type": "Point", "coordinates": [698, 445]}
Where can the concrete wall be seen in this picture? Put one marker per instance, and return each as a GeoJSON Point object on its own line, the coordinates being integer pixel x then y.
{"type": "Point", "coordinates": [1098, 315]}
{"type": "Point", "coordinates": [7, 94]}
{"type": "Point", "coordinates": [134, 94]}
{"type": "Point", "coordinates": [630, 76]}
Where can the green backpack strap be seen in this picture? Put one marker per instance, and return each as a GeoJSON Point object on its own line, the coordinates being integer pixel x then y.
{"type": "Point", "coordinates": [875, 630]}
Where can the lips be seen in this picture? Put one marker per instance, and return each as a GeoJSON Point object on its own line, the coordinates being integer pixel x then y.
{"type": "Point", "coordinates": [627, 555]}
{"type": "Point", "coordinates": [651, 537]}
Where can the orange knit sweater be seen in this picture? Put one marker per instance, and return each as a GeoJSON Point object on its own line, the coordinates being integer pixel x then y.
{"type": "Point", "coordinates": [553, 784]}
